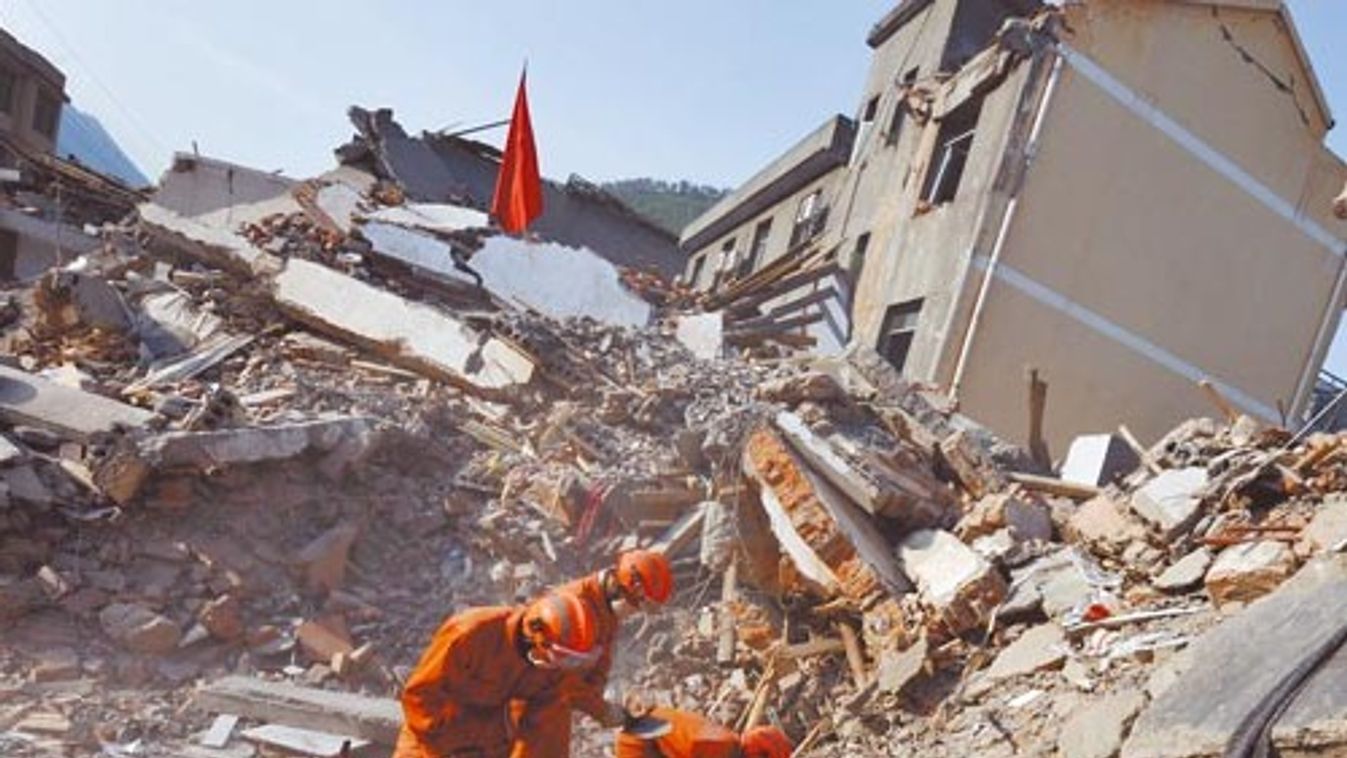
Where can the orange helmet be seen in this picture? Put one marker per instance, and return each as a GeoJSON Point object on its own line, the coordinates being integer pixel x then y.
{"type": "Point", "coordinates": [765, 742]}
{"type": "Point", "coordinates": [645, 575]}
{"type": "Point", "coordinates": [561, 628]}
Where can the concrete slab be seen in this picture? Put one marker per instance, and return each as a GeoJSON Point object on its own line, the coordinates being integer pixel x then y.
{"type": "Point", "coordinates": [303, 741]}
{"type": "Point", "coordinates": [30, 400]}
{"type": "Point", "coordinates": [1039, 648]}
{"type": "Point", "coordinates": [1097, 730]}
{"type": "Point", "coordinates": [1328, 528]}
{"type": "Point", "coordinates": [214, 245]}
{"type": "Point", "coordinates": [1249, 570]}
{"type": "Point", "coordinates": [436, 217]}
{"type": "Point", "coordinates": [1186, 573]}
{"type": "Point", "coordinates": [1197, 714]}
{"type": "Point", "coordinates": [407, 333]}
{"type": "Point", "coordinates": [960, 586]}
{"type": "Point", "coordinates": [1169, 502]}
{"type": "Point", "coordinates": [1098, 459]}
{"type": "Point", "coordinates": [422, 252]}
{"type": "Point", "coordinates": [559, 281]}
{"type": "Point", "coordinates": [702, 334]}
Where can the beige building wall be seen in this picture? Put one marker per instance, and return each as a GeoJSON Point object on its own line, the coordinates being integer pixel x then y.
{"type": "Point", "coordinates": [926, 254]}
{"type": "Point", "coordinates": [1138, 262]}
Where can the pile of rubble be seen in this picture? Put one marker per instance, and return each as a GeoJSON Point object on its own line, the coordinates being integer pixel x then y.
{"type": "Point", "coordinates": [264, 438]}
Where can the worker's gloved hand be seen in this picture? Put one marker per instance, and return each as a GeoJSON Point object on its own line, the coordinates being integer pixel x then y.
{"type": "Point", "coordinates": [613, 716]}
{"type": "Point", "coordinates": [636, 705]}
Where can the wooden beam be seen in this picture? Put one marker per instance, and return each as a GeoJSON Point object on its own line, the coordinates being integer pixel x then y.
{"type": "Point", "coordinates": [1054, 486]}
{"type": "Point", "coordinates": [375, 719]}
{"type": "Point", "coordinates": [787, 284]}
{"type": "Point", "coordinates": [1038, 401]}
{"type": "Point", "coordinates": [769, 324]}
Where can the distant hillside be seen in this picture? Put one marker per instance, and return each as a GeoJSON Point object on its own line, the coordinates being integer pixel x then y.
{"type": "Point", "coordinates": [672, 205]}
{"type": "Point", "coordinates": [84, 138]}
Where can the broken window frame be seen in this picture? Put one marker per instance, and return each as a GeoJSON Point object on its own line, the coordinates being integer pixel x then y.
{"type": "Point", "coordinates": [899, 118]}
{"type": "Point", "coordinates": [810, 217]}
{"type": "Point", "coordinates": [757, 249]}
{"type": "Point", "coordinates": [46, 114]}
{"type": "Point", "coordinates": [954, 144]}
{"type": "Point", "coordinates": [899, 331]}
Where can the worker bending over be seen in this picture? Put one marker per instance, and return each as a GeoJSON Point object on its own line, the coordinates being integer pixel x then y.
{"type": "Point", "coordinates": [695, 737]}
{"type": "Point", "coordinates": [490, 683]}
{"type": "Point", "coordinates": [639, 579]}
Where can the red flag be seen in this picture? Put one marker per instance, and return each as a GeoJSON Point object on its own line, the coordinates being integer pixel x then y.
{"type": "Point", "coordinates": [519, 189]}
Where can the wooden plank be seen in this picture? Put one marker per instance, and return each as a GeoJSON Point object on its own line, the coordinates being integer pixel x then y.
{"type": "Point", "coordinates": [375, 719]}
{"type": "Point", "coordinates": [785, 285]}
{"type": "Point", "coordinates": [729, 594]}
{"type": "Point", "coordinates": [26, 399]}
{"type": "Point", "coordinates": [812, 298]}
{"type": "Point", "coordinates": [769, 323]}
{"type": "Point", "coordinates": [678, 536]}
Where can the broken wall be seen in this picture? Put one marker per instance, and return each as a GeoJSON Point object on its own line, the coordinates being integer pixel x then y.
{"type": "Point", "coordinates": [926, 255]}
{"type": "Point", "coordinates": [218, 193]}
{"type": "Point", "coordinates": [1225, 279]}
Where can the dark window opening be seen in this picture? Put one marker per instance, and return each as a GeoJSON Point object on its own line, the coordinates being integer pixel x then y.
{"type": "Point", "coordinates": [953, 144]}
{"type": "Point", "coordinates": [810, 218]}
{"type": "Point", "coordinates": [46, 115]}
{"type": "Point", "coordinates": [899, 329]}
{"type": "Point", "coordinates": [858, 255]}
{"type": "Point", "coordinates": [9, 83]}
{"type": "Point", "coordinates": [698, 264]}
{"type": "Point", "coordinates": [871, 108]}
{"type": "Point", "coordinates": [900, 108]}
{"type": "Point", "coordinates": [757, 249]}
{"type": "Point", "coordinates": [9, 254]}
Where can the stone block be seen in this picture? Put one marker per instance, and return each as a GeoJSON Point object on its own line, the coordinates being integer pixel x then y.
{"type": "Point", "coordinates": [1249, 570]}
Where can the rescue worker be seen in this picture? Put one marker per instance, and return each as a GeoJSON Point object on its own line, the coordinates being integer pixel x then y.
{"type": "Point", "coordinates": [693, 736]}
{"type": "Point", "coordinates": [638, 579]}
{"type": "Point", "coordinates": [489, 685]}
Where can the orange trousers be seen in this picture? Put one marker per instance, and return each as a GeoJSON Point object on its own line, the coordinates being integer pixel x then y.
{"type": "Point", "coordinates": [535, 730]}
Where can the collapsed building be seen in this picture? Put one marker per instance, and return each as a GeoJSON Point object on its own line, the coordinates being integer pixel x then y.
{"type": "Point", "coordinates": [1103, 193]}
{"type": "Point", "coordinates": [261, 438]}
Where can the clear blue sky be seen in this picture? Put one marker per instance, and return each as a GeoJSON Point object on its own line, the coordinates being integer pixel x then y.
{"type": "Point", "coordinates": [705, 90]}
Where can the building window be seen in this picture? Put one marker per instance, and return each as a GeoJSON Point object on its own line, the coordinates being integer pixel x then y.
{"type": "Point", "coordinates": [953, 143]}
{"type": "Point", "coordinates": [47, 114]}
{"type": "Point", "coordinates": [871, 108]}
{"type": "Point", "coordinates": [9, 83]}
{"type": "Point", "coordinates": [900, 108]}
{"type": "Point", "coordinates": [900, 327]}
{"type": "Point", "coordinates": [858, 255]}
{"type": "Point", "coordinates": [810, 218]}
{"type": "Point", "coordinates": [695, 276]}
{"type": "Point", "coordinates": [757, 249]}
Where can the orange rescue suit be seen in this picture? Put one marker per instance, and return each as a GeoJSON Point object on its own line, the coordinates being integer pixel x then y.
{"type": "Point", "coordinates": [473, 694]}
{"type": "Point", "coordinates": [584, 689]}
{"type": "Point", "coordinates": [692, 737]}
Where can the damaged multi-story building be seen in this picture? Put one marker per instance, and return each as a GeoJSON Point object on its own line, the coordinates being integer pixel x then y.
{"type": "Point", "coordinates": [45, 201]}
{"type": "Point", "coordinates": [1128, 197]}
